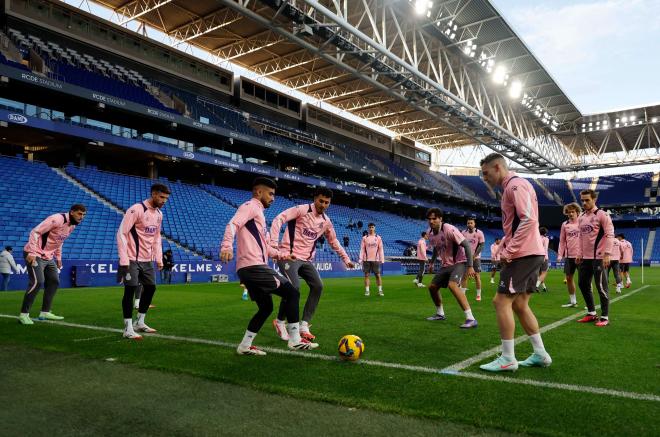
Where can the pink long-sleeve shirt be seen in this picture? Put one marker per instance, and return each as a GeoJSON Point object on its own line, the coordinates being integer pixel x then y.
{"type": "Point", "coordinates": [47, 238]}
{"type": "Point", "coordinates": [421, 249]}
{"type": "Point", "coordinates": [569, 240]}
{"type": "Point", "coordinates": [617, 250]}
{"type": "Point", "coordinates": [596, 234]}
{"type": "Point", "coordinates": [304, 227]}
{"type": "Point", "coordinates": [475, 237]}
{"type": "Point", "coordinates": [520, 219]}
{"type": "Point", "coordinates": [372, 249]}
{"type": "Point", "coordinates": [627, 252]}
{"type": "Point", "coordinates": [138, 237]}
{"type": "Point", "coordinates": [546, 244]}
{"type": "Point", "coordinates": [495, 251]}
{"type": "Point", "coordinates": [252, 243]}
{"type": "Point", "coordinates": [446, 244]}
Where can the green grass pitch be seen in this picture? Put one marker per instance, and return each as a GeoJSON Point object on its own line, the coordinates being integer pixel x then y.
{"type": "Point", "coordinates": [63, 364]}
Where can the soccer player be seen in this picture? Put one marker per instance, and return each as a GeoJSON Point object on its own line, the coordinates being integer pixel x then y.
{"type": "Point", "coordinates": [546, 262]}
{"type": "Point", "coordinates": [456, 255]}
{"type": "Point", "coordinates": [43, 259]}
{"type": "Point", "coordinates": [305, 224]}
{"type": "Point", "coordinates": [372, 255]}
{"type": "Point", "coordinates": [495, 259]}
{"type": "Point", "coordinates": [626, 258]}
{"type": "Point", "coordinates": [248, 226]}
{"type": "Point", "coordinates": [477, 240]}
{"type": "Point", "coordinates": [596, 238]}
{"type": "Point", "coordinates": [139, 244]}
{"type": "Point", "coordinates": [422, 259]}
{"type": "Point", "coordinates": [521, 257]}
{"type": "Point", "coordinates": [617, 252]}
{"type": "Point", "coordinates": [569, 249]}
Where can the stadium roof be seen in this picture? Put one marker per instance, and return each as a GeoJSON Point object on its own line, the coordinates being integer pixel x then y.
{"type": "Point", "coordinates": [619, 137]}
{"type": "Point", "coordinates": [447, 73]}
{"type": "Point", "coordinates": [426, 76]}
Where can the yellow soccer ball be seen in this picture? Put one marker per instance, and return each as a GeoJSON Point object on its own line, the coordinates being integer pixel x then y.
{"type": "Point", "coordinates": [350, 348]}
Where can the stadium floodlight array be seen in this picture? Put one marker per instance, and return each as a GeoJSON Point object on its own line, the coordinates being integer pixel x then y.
{"type": "Point", "coordinates": [528, 102]}
{"type": "Point", "coordinates": [597, 125]}
{"type": "Point", "coordinates": [623, 121]}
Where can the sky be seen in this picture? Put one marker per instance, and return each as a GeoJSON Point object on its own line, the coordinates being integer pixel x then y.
{"type": "Point", "coordinates": [605, 55]}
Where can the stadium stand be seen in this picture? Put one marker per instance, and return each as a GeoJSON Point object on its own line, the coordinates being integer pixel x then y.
{"type": "Point", "coordinates": [624, 189]}
{"type": "Point", "coordinates": [191, 217]}
{"type": "Point", "coordinates": [477, 185]}
{"type": "Point", "coordinates": [559, 187]}
{"type": "Point", "coordinates": [580, 184]}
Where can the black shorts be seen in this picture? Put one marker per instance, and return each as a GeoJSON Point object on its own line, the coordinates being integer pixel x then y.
{"type": "Point", "coordinates": [545, 266]}
{"type": "Point", "coordinates": [260, 280]}
{"type": "Point", "coordinates": [140, 272]}
{"type": "Point", "coordinates": [450, 273]}
{"type": "Point", "coordinates": [495, 266]}
{"type": "Point", "coordinates": [569, 266]}
{"type": "Point", "coordinates": [520, 275]}
{"type": "Point", "coordinates": [625, 267]}
{"type": "Point", "coordinates": [371, 267]}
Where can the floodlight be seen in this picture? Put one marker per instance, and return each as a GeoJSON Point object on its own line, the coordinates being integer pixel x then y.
{"type": "Point", "coordinates": [499, 74]}
{"type": "Point", "coordinates": [515, 89]}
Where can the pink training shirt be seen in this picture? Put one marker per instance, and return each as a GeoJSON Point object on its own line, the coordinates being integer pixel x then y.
{"type": "Point", "coordinates": [494, 251]}
{"type": "Point", "coordinates": [138, 237]}
{"type": "Point", "coordinates": [627, 252]}
{"type": "Point", "coordinates": [421, 249]}
{"type": "Point", "coordinates": [520, 219]}
{"type": "Point", "coordinates": [304, 227]}
{"type": "Point", "coordinates": [596, 234]}
{"type": "Point", "coordinates": [546, 244]}
{"type": "Point", "coordinates": [446, 244]}
{"type": "Point", "coordinates": [569, 240]}
{"type": "Point", "coordinates": [617, 250]}
{"type": "Point", "coordinates": [47, 238]}
{"type": "Point", "coordinates": [475, 238]}
{"type": "Point", "coordinates": [371, 249]}
{"type": "Point", "coordinates": [249, 227]}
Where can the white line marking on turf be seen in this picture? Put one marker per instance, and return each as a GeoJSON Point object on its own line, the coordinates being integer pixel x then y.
{"type": "Point", "coordinates": [558, 385]}
{"type": "Point", "coordinates": [93, 338]}
{"type": "Point", "coordinates": [422, 369]}
{"type": "Point", "coordinates": [457, 367]}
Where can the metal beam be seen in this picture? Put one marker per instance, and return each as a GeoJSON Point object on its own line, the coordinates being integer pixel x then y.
{"type": "Point", "coordinates": [204, 25]}
{"type": "Point", "coordinates": [137, 8]}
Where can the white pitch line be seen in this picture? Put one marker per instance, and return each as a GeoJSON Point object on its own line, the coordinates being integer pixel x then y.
{"type": "Point", "coordinates": [558, 385]}
{"type": "Point", "coordinates": [92, 338]}
{"type": "Point", "coordinates": [421, 369]}
{"type": "Point", "coordinates": [457, 367]}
